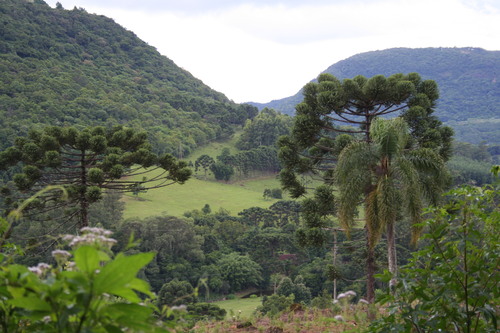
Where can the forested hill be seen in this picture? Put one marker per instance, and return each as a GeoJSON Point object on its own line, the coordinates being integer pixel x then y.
{"type": "Point", "coordinates": [468, 79]}
{"type": "Point", "coordinates": [69, 67]}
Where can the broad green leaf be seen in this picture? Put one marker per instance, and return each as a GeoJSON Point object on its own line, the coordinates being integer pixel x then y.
{"type": "Point", "coordinates": [113, 329]}
{"type": "Point", "coordinates": [30, 303]}
{"type": "Point", "coordinates": [141, 286]}
{"type": "Point", "coordinates": [127, 293]}
{"type": "Point", "coordinates": [103, 256]}
{"type": "Point", "coordinates": [133, 316]}
{"type": "Point", "coordinates": [16, 292]}
{"type": "Point", "coordinates": [87, 259]}
{"type": "Point", "coordinates": [140, 312]}
{"type": "Point", "coordinates": [120, 272]}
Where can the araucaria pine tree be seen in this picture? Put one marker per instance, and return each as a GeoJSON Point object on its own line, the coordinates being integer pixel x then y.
{"type": "Point", "coordinates": [338, 114]}
{"type": "Point", "coordinates": [86, 162]}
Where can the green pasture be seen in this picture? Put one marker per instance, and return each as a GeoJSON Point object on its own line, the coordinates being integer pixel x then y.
{"type": "Point", "coordinates": [215, 148]}
{"type": "Point", "coordinates": [233, 307]}
{"type": "Point", "coordinates": [177, 199]}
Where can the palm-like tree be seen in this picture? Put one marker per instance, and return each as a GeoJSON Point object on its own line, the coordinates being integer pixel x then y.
{"type": "Point", "coordinates": [388, 177]}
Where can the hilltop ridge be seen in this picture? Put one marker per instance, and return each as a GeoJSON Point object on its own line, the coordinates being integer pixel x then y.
{"type": "Point", "coordinates": [468, 80]}
{"type": "Point", "coordinates": [69, 67]}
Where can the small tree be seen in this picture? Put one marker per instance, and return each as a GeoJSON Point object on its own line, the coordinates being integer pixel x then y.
{"type": "Point", "coordinates": [240, 271]}
{"type": "Point", "coordinates": [222, 171]}
{"type": "Point", "coordinates": [176, 292]}
{"type": "Point", "coordinates": [205, 162]}
{"type": "Point", "coordinates": [277, 193]}
{"type": "Point", "coordinates": [87, 162]}
{"type": "Point", "coordinates": [297, 288]}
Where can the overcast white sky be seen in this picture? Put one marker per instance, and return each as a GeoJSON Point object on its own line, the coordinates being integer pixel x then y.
{"type": "Point", "coordinates": [260, 50]}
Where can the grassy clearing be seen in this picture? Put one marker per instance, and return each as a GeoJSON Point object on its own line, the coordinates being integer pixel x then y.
{"type": "Point", "coordinates": [194, 194]}
{"type": "Point", "coordinates": [233, 307]}
{"type": "Point", "coordinates": [215, 148]}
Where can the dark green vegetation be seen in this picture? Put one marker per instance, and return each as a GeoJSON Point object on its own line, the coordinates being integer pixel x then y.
{"type": "Point", "coordinates": [68, 67]}
{"type": "Point", "coordinates": [468, 80]}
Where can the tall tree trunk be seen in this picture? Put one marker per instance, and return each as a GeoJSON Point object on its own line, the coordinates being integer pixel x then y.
{"type": "Point", "coordinates": [84, 203]}
{"type": "Point", "coordinates": [335, 263]}
{"type": "Point", "coordinates": [370, 275]}
{"type": "Point", "coordinates": [391, 254]}
{"type": "Point", "coordinates": [370, 270]}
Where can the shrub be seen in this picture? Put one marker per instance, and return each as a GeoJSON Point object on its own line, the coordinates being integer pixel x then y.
{"type": "Point", "coordinates": [94, 292]}
{"type": "Point", "coordinates": [323, 301]}
{"type": "Point", "coordinates": [301, 293]}
{"type": "Point", "coordinates": [205, 311]}
{"type": "Point", "coordinates": [451, 285]}
{"type": "Point", "coordinates": [275, 304]}
{"type": "Point", "coordinates": [176, 292]}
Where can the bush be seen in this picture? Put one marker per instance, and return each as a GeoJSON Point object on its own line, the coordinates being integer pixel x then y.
{"type": "Point", "coordinates": [275, 304]}
{"type": "Point", "coordinates": [205, 311]}
{"type": "Point", "coordinates": [323, 301]}
{"type": "Point", "coordinates": [275, 193]}
{"type": "Point", "coordinates": [92, 293]}
{"type": "Point", "coordinates": [301, 293]}
{"type": "Point", "coordinates": [176, 292]}
{"type": "Point", "coordinates": [451, 285]}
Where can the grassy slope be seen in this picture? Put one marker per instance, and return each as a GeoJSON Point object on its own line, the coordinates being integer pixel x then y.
{"type": "Point", "coordinates": [233, 307]}
{"type": "Point", "coordinates": [177, 199]}
{"type": "Point", "coordinates": [195, 193]}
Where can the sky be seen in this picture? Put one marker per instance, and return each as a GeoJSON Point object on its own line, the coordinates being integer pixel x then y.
{"type": "Point", "coordinates": [261, 50]}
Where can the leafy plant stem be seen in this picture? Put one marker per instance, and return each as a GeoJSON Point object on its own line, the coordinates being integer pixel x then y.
{"type": "Point", "coordinates": [87, 307]}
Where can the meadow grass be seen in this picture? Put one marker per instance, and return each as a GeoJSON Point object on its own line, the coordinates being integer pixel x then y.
{"type": "Point", "coordinates": [214, 149]}
{"type": "Point", "coordinates": [233, 196]}
{"type": "Point", "coordinates": [233, 307]}
{"type": "Point", "coordinates": [177, 199]}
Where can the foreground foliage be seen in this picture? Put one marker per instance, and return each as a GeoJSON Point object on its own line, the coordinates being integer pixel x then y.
{"type": "Point", "coordinates": [451, 285]}
{"type": "Point", "coordinates": [94, 292]}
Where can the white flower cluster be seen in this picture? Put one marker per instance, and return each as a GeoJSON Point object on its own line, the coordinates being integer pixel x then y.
{"type": "Point", "coordinates": [349, 293]}
{"type": "Point", "coordinates": [40, 269]}
{"type": "Point", "coordinates": [181, 307]}
{"type": "Point", "coordinates": [61, 254]}
{"type": "Point", "coordinates": [91, 236]}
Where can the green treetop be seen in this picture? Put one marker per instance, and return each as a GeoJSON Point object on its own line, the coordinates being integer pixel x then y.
{"type": "Point", "coordinates": [86, 162]}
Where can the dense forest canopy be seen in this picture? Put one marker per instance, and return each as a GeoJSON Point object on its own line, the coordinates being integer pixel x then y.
{"type": "Point", "coordinates": [467, 79]}
{"type": "Point", "coordinates": [68, 67]}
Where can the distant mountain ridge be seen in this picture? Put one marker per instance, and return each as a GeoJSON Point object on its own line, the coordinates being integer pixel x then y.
{"type": "Point", "coordinates": [468, 80]}
{"type": "Point", "coordinates": [69, 67]}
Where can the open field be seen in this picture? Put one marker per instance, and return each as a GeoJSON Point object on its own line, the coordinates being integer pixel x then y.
{"type": "Point", "coordinates": [194, 194]}
{"type": "Point", "coordinates": [233, 307]}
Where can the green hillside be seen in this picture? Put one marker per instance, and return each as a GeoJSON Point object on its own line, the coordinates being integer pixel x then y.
{"type": "Point", "coordinates": [177, 199]}
{"type": "Point", "coordinates": [468, 80]}
{"type": "Point", "coordinates": [69, 67]}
